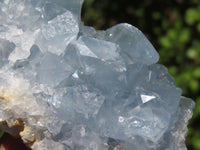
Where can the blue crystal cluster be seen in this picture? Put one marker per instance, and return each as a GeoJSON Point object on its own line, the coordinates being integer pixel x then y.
{"type": "Point", "coordinates": [76, 88]}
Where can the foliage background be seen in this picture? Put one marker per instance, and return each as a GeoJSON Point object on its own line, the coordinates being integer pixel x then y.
{"type": "Point", "coordinates": [173, 27]}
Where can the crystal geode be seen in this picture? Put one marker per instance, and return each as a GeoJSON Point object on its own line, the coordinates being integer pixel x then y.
{"type": "Point", "coordinates": [71, 87]}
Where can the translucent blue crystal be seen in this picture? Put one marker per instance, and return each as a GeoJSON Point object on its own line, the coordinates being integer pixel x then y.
{"type": "Point", "coordinates": [76, 88]}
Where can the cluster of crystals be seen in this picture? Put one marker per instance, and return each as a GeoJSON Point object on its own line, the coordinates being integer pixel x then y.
{"type": "Point", "coordinates": [78, 88]}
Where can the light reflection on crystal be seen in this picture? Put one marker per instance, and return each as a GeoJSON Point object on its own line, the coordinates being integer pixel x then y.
{"type": "Point", "coordinates": [75, 75]}
{"type": "Point", "coordinates": [146, 98]}
{"type": "Point", "coordinates": [121, 119]}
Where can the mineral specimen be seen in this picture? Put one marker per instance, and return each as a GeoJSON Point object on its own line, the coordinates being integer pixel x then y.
{"type": "Point", "coordinates": [76, 88]}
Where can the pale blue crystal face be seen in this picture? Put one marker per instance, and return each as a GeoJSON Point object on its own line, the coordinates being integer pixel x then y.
{"type": "Point", "coordinates": [78, 88]}
{"type": "Point", "coordinates": [132, 43]}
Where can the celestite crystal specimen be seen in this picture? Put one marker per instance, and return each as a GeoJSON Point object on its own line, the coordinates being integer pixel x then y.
{"type": "Point", "coordinates": [68, 86]}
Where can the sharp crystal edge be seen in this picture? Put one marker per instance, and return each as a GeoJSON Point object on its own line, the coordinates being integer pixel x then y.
{"type": "Point", "coordinates": [75, 88]}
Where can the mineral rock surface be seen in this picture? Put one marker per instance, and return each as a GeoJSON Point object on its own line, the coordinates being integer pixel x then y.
{"type": "Point", "coordinates": [76, 88]}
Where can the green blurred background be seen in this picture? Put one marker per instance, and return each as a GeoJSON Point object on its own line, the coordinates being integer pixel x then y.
{"type": "Point", "coordinates": [173, 27]}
